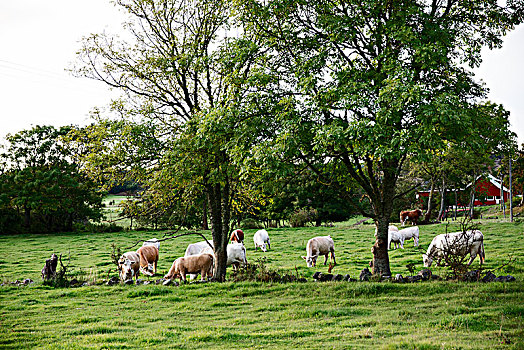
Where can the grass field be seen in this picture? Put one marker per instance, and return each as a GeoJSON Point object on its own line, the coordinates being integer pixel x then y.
{"type": "Point", "coordinates": [340, 315]}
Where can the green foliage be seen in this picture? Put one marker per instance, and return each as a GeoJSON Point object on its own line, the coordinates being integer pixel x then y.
{"type": "Point", "coordinates": [302, 217]}
{"type": "Point", "coordinates": [41, 187]}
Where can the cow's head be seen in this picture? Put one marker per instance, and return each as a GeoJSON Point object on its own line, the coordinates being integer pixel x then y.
{"type": "Point", "coordinates": [310, 260]}
{"type": "Point", "coordinates": [126, 270]}
{"type": "Point", "coordinates": [263, 247]}
{"type": "Point", "coordinates": [427, 260]}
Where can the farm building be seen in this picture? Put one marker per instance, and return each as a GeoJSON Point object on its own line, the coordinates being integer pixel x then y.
{"type": "Point", "coordinates": [487, 191]}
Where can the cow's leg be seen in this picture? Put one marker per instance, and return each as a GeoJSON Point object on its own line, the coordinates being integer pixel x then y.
{"type": "Point", "coordinates": [154, 266]}
{"type": "Point", "coordinates": [268, 244]}
{"type": "Point", "coordinates": [333, 256]}
{"type": "Point", "coordinates": [325, 260]}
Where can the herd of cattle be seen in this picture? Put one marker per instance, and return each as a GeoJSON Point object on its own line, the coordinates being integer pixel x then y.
{"type": "Point", "coordinates": [199, 257]}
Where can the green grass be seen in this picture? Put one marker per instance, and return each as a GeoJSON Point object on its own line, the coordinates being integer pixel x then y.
{"type": "Point", "coordinates": [340, 315]}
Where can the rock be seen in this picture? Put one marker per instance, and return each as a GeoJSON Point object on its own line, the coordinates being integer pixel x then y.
{"type": "Point", "coordinates": [73, 282]}
{"type": "Point", "coordinates": [413, 279]}
{"type": "Point", "coordinates": [170, 282]}
{"type": "Point", "coordinates": [365, 274]}
{"type": "Point", "coordinates": [507, 278]}
{"type": "Point", "coordinates": [317, 275]}
{"type": "Point", "coordinates": [146, 283]}
{"type": "Point", "coordinates": [159, 281]}
{"type": "Point", "coordinates": [139, 281]}
{"type": "Point", "coordinates": [346, 277]}
{"type": "Point", "coordinates": [489, 277]}
{"type": "Point", "coordinates": [425, 274]}
{"type": "Point", "coordinates": [399, 278]}
{"type": "Point", "coordinates": [112, 281]}
{"type": "Point", "coordinates": [130, 281]}
{"type": "Point", "coordinates": [27, 281]}
{"type": "Point", "coordinates": [471, 276]}
{"type": "Point", "coordinates": [326, 277]}
{"type": "Point", "coordinates": [436, 277]}
{"type": "Point", "coordinates": [302, 280]}
{"type": "Point", "coordinates": [337, 277]}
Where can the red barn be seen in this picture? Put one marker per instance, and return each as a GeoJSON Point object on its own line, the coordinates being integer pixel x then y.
{"type": "Point", "coordinates": [487, 191]}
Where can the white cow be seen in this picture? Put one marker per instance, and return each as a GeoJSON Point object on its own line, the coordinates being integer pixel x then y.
{"type": "Point", "coordinates": [316, 246]}
{"type": "Point", "coordinates": [456, 243]}
{"type": "Point", "coordinates": [408, 233]}
{"type": "Point", "coordinates": [261, 239]}
{"type": "Point", "coordinates": [153, 242]}
{"type": "Point", "coordinates": [236, 252]}
{"type": "Point", "coordinates": [396, 238]}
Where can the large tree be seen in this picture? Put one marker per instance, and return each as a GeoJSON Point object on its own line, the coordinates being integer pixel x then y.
{"type": "Point", "coordinates": [175, 117]}
{"type": "Point", "coordinates": [367, 84]}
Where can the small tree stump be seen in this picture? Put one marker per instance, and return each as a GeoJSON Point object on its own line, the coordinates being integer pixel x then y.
{"type": "Point", "coordinates": [49, 270]}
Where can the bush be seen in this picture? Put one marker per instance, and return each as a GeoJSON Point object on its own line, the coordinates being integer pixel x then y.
{"type": "Point", "coordinates": [97, 228]}
{"type": "Point", "coordinates": [250, 223]}
{"type": "Point", "coordinates": [302, 217]}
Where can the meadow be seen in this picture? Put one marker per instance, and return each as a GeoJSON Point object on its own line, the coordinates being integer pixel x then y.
{"type": "Point", "coordinates": [256, 315]}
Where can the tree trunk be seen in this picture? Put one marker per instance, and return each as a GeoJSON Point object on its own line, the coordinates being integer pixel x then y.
{"type": "Point", "coordinates": [380, 248]}
{"type": "Point", "coordinates": [456, 205]}
{"type": "Point", "coordinates": [219, 205]}
{"type": "Point", "coordinates": [205, 225]}
{"type": "Point", "coordinates": [442, 199]}
{"type": "Point", "coordinates": [427, 217]}
{"type": "Point", "coordinates": [27, 217]}
{"type": "Point", "coordinates": [510, 192]}
{"type": "Point", "coordinates": [502, 203]}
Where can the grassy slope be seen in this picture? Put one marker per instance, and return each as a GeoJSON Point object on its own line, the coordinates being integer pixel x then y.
{"type": "Point", "coordinates": [429, 315]}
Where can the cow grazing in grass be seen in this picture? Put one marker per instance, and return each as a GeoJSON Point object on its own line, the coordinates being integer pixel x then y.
{"type": "Point", "coordinates": [195, 264]}
{"type": "Point", "coordinates": [409, 233]}
{"type": "Point", "coordinates": [456, 243]}
{"type": "Point", "coordinates": [129, 266]}
{"type": "Point", "coordinates": [152, 242]}
{"type": "Point", "coordinates": [236, 252]}
{"type": "Point", "coordinates": [148, 259]}
{"type": "Point", "coordinates": [316, 246]}
{"type": "Point", "coordinates": [237, 236]}
{"type": "Point", "coordinates": [390, 228]}
{"type": "Point", "coordinates": [261, 240]}
{"type": "Point", "coordinates": [412, 215]}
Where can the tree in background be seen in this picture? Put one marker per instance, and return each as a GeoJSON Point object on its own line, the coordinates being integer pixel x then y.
{"type": "Point", "coordinates": [365, 85]}
{"type": "Point", "coordinates": [42, 186]}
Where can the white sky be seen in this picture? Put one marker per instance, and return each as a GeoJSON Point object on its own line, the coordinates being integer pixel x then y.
{"type": "Point", "coordinates": [38, 40]}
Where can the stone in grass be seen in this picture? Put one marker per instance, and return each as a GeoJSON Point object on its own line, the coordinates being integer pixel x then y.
{"type": "Point", "coordinates": [326, 277]}
{"type": "Point", "coordinates": [159, 281]}
{"type": "Point", "coordinates": [302, 280]}
{"type": "Point", "coordinates": [507, 278]}
{"type": "Point", "coordinates": [399, 278]}
{"type": "Point", "coordinates": [413, 279]}
{"type": "Point", "coordinates": [347, 277]}
{"type": "Point", "coordinates": [489, 277]}
{"type": "Point", "coordinates": [129, 281]}
{"type": "Point", "coordinates": [365, 274]}
{"type": "Point", "coordinates": [139, 281]}
{"type": "Point", "coordinates": [170, 282]}
{"type": "Point", "coordinates": [112, 281]}
{"type": "Point", "coordinates": [317, 275]}
{"type": "Point", "coordinates": [471, 276]}
{"type": "Point", "coordinates": [337, 277]}
{"type": "Point", "coordinates": [425, 274]}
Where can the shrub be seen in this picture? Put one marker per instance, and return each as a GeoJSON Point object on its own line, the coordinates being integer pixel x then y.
{"type": "Point", "coordinates": [302, 217]}
{"type": "Point", "coordinates": [250, 223]}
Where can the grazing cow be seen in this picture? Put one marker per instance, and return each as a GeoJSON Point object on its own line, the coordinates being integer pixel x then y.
{"type": "Point", "coordinates": [396, 238]}
{"type": "Point", "coordinates": [261, 239]}
{"type": "Point", "coordinates": [319, 246]}
{"type": "Point", "coordinates": [148, 259]}
{"type": "Point", "coordinates": [129, 266]}
{"type": "Point", "coordinates": [237, 236]}
{"type": "Point", "coordinates": [408, 233]}
{"type": "Point", "coordinates": [153, 241]}
{"type": "Point", "coordinates": [236, 252]}
{"type": "Point", "coordinates": [456, 243]}
{"type": "Point", "coordinates": [412, 215]}
{"type": "Point", "coordinates": [194, 264]}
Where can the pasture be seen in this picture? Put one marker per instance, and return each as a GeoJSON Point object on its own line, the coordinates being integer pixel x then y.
{"type": "Point", "coordinates": [312, 315]}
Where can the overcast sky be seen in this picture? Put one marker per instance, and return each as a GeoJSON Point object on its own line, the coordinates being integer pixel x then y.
{"type": "Point", "coordinates": [38, 41]}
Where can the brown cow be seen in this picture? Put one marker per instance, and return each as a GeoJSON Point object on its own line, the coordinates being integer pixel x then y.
{"type": "Point", "coordinates": [412, 215]}
{"type": "Point", "coordinates": [148, 259]}
{"type": "Point", "coordinates": [237, 236]}
{"type": "Point", "coordinates": [129, 266]}
{"type": "Point", "coordinates": [193, 264]}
